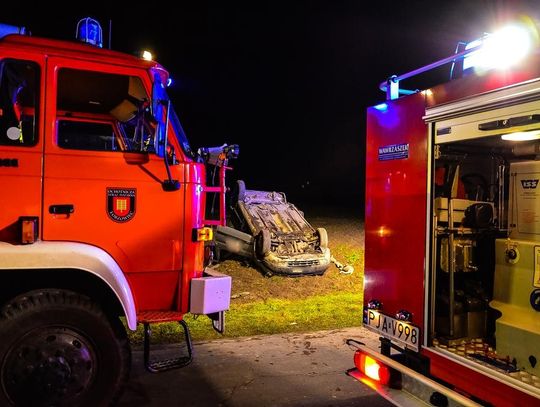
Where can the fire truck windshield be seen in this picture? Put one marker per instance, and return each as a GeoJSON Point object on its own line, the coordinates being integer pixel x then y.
{"type": "Point", "coordinates": [179, 131]}
{"type": "Point", "coordinates": [164, 114]}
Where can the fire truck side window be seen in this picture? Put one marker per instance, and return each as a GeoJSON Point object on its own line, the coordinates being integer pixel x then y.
{"type": "Point", "coordinates": [19, 85]}
{"type": "Point", "coordinates": [82, 135]}
{"type": "Point", "coordinates": [103, 112]}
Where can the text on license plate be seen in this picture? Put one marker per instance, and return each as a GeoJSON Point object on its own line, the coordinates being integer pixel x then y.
{"type": "Point", "coordinates": [401, 332]}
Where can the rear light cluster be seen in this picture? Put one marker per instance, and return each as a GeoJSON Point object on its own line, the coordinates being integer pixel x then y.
{"type": "Point", "coordinates": [376, 370]}
{"type": "Point", "coordinates": [371, 367]}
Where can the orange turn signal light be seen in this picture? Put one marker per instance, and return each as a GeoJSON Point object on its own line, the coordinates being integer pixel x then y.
{"type": "Point", "coordinates": [204, 234]}
{"type": "Point", "coordinates": [28, 229]}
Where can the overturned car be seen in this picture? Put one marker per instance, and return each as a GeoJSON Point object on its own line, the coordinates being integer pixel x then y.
{"type": "Point", "coordinates": [275, 234]}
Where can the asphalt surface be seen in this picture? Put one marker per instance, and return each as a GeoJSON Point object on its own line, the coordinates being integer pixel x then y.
{"type": "Point", "coordinates": [276, 370]}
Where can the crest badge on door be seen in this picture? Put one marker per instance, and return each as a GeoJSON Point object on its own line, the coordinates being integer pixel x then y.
{"type": "Point", "coordinates": [121, 204]}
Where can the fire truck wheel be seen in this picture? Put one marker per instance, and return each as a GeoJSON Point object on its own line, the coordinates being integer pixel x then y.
{"type": "Point", "coordinates": [59, 348]}
{"type": "Point", "coordinates": [323, 237]}
{"type": "Point", "coordinates": [263, 242]}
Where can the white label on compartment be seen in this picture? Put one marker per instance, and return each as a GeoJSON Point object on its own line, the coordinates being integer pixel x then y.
{"type": "Point", "coordinates": [527, 189]}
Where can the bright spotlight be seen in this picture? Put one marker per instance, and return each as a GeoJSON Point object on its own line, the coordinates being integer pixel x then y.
{"type": "Point", "coordinates": [146, 55]}
{"type": "Point", "coordinates": [499, 50]}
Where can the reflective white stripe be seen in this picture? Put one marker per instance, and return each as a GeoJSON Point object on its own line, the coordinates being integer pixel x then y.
{"type": "Point", "coordinates": [55, 255]}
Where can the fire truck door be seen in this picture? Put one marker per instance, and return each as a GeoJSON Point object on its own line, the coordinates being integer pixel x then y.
{"type": "Point", "coordinates": [103, 182]}
{"type": "Point", "coordinates": [21, 140]}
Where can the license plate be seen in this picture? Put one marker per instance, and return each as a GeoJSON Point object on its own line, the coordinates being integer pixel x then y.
{"type": "Point", "coordinates": [400, 332]}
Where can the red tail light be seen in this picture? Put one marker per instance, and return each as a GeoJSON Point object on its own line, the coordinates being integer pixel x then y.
{"type": "Point", "coordinates": [371, 367]}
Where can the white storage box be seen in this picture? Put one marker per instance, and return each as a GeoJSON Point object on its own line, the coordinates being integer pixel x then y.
{"type": "Point", "coordinates": [211, 293]}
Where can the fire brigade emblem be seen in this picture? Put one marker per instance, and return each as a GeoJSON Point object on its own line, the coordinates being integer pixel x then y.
{"type": "Point", "coordinates": [121, 204]}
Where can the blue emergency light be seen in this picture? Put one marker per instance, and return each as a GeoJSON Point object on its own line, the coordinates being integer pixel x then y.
{"type": "Point", "coordinates": [89, 31]}
{"type": "Point", "coordinates": [6, 29]}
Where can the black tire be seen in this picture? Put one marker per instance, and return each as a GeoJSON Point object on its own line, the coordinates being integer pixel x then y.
{"type": "Point", "coordinates": [59, 348]}
{"type": "Point", "coordinates": [241, 190]}
{"type": "Point", "coordinates": [323, 238]}
{"type": "Point", "coordinates": [263, 242]}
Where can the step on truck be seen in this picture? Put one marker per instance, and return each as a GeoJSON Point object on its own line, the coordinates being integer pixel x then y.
{"type": "Point", "coordinates": [452, 230]}
{"type": "Point", "coordinates": [102, 220]}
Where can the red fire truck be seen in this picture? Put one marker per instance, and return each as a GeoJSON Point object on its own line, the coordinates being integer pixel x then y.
{"type": "Point", "coordinates": [102, 217]}
{"type": "Point", "coordinates": [452, 230]}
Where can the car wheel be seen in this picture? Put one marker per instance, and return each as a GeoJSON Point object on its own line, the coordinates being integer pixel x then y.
{"type": "Point", "coordinates": [59, 348]}
{"type": "Point", "coordinates": [263, 242]}
{"type": "Point", "coordinates": [323, 238]}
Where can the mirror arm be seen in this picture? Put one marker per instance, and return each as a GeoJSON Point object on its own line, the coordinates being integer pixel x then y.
{"type": "Point", "coordinates": [169, 184]}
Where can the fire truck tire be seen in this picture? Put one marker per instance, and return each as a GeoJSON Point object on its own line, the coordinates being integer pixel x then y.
{"type": "Point", "coordinates": [263, 242]}
{"type": "Point", "coordinates": [59, 348]}
{"type": "Point", "coordinates": [323, 237]}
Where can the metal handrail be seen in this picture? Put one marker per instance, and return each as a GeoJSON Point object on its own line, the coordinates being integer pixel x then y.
{"type": "Point", "coordinates": [395, 79]}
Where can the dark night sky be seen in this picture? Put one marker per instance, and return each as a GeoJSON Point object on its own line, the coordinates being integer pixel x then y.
{"type": "Point", "coordinates": [288, 81]}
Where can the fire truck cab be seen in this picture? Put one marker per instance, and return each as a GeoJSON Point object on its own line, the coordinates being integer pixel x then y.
{"type": "Point", "coordinates": [452, 226]}
{"type": "Point", "coordinates": [102, 216]}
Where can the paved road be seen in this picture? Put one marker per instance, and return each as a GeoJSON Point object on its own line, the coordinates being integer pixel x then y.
{"type": "Point", "coordinates": [276, 370]}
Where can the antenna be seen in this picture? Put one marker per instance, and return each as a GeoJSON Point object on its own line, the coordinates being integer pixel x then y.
{"type": "Point", "coordinates": [110, 33]}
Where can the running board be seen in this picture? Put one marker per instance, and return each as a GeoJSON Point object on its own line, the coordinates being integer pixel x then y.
{"type": "Point", "coordinates": [166, 364]}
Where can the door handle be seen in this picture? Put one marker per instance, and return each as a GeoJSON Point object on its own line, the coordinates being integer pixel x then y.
{"type": "Point", "coordinates": [64, 209]}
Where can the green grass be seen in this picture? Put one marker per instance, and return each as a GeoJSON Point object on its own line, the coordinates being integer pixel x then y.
{"type": "Point", "coordinates": [273, 316]}
{"type": "Point", "coordinates": [349, 254]}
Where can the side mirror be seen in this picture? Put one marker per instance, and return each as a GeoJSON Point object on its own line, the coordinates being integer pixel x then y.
{"type": "Point", "coordinates": [161, 106]}
{"type": "Point", "coordinates": [160, 139]}
{"type": "Point", "coordinates": [160, 112]}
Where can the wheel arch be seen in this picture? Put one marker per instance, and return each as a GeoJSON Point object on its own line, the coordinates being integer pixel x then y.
{"type": "Point", "coordinates": [79, 267]}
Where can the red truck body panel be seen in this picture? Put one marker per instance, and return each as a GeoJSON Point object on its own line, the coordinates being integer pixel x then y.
{"type": "Point", "coordinates": [470, 382]}
{"type": "Point", "coordinates": [395, 215]}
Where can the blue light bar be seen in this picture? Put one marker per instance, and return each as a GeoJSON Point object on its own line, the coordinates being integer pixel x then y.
{"type": "Point", "coordinates": [6, 29]}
